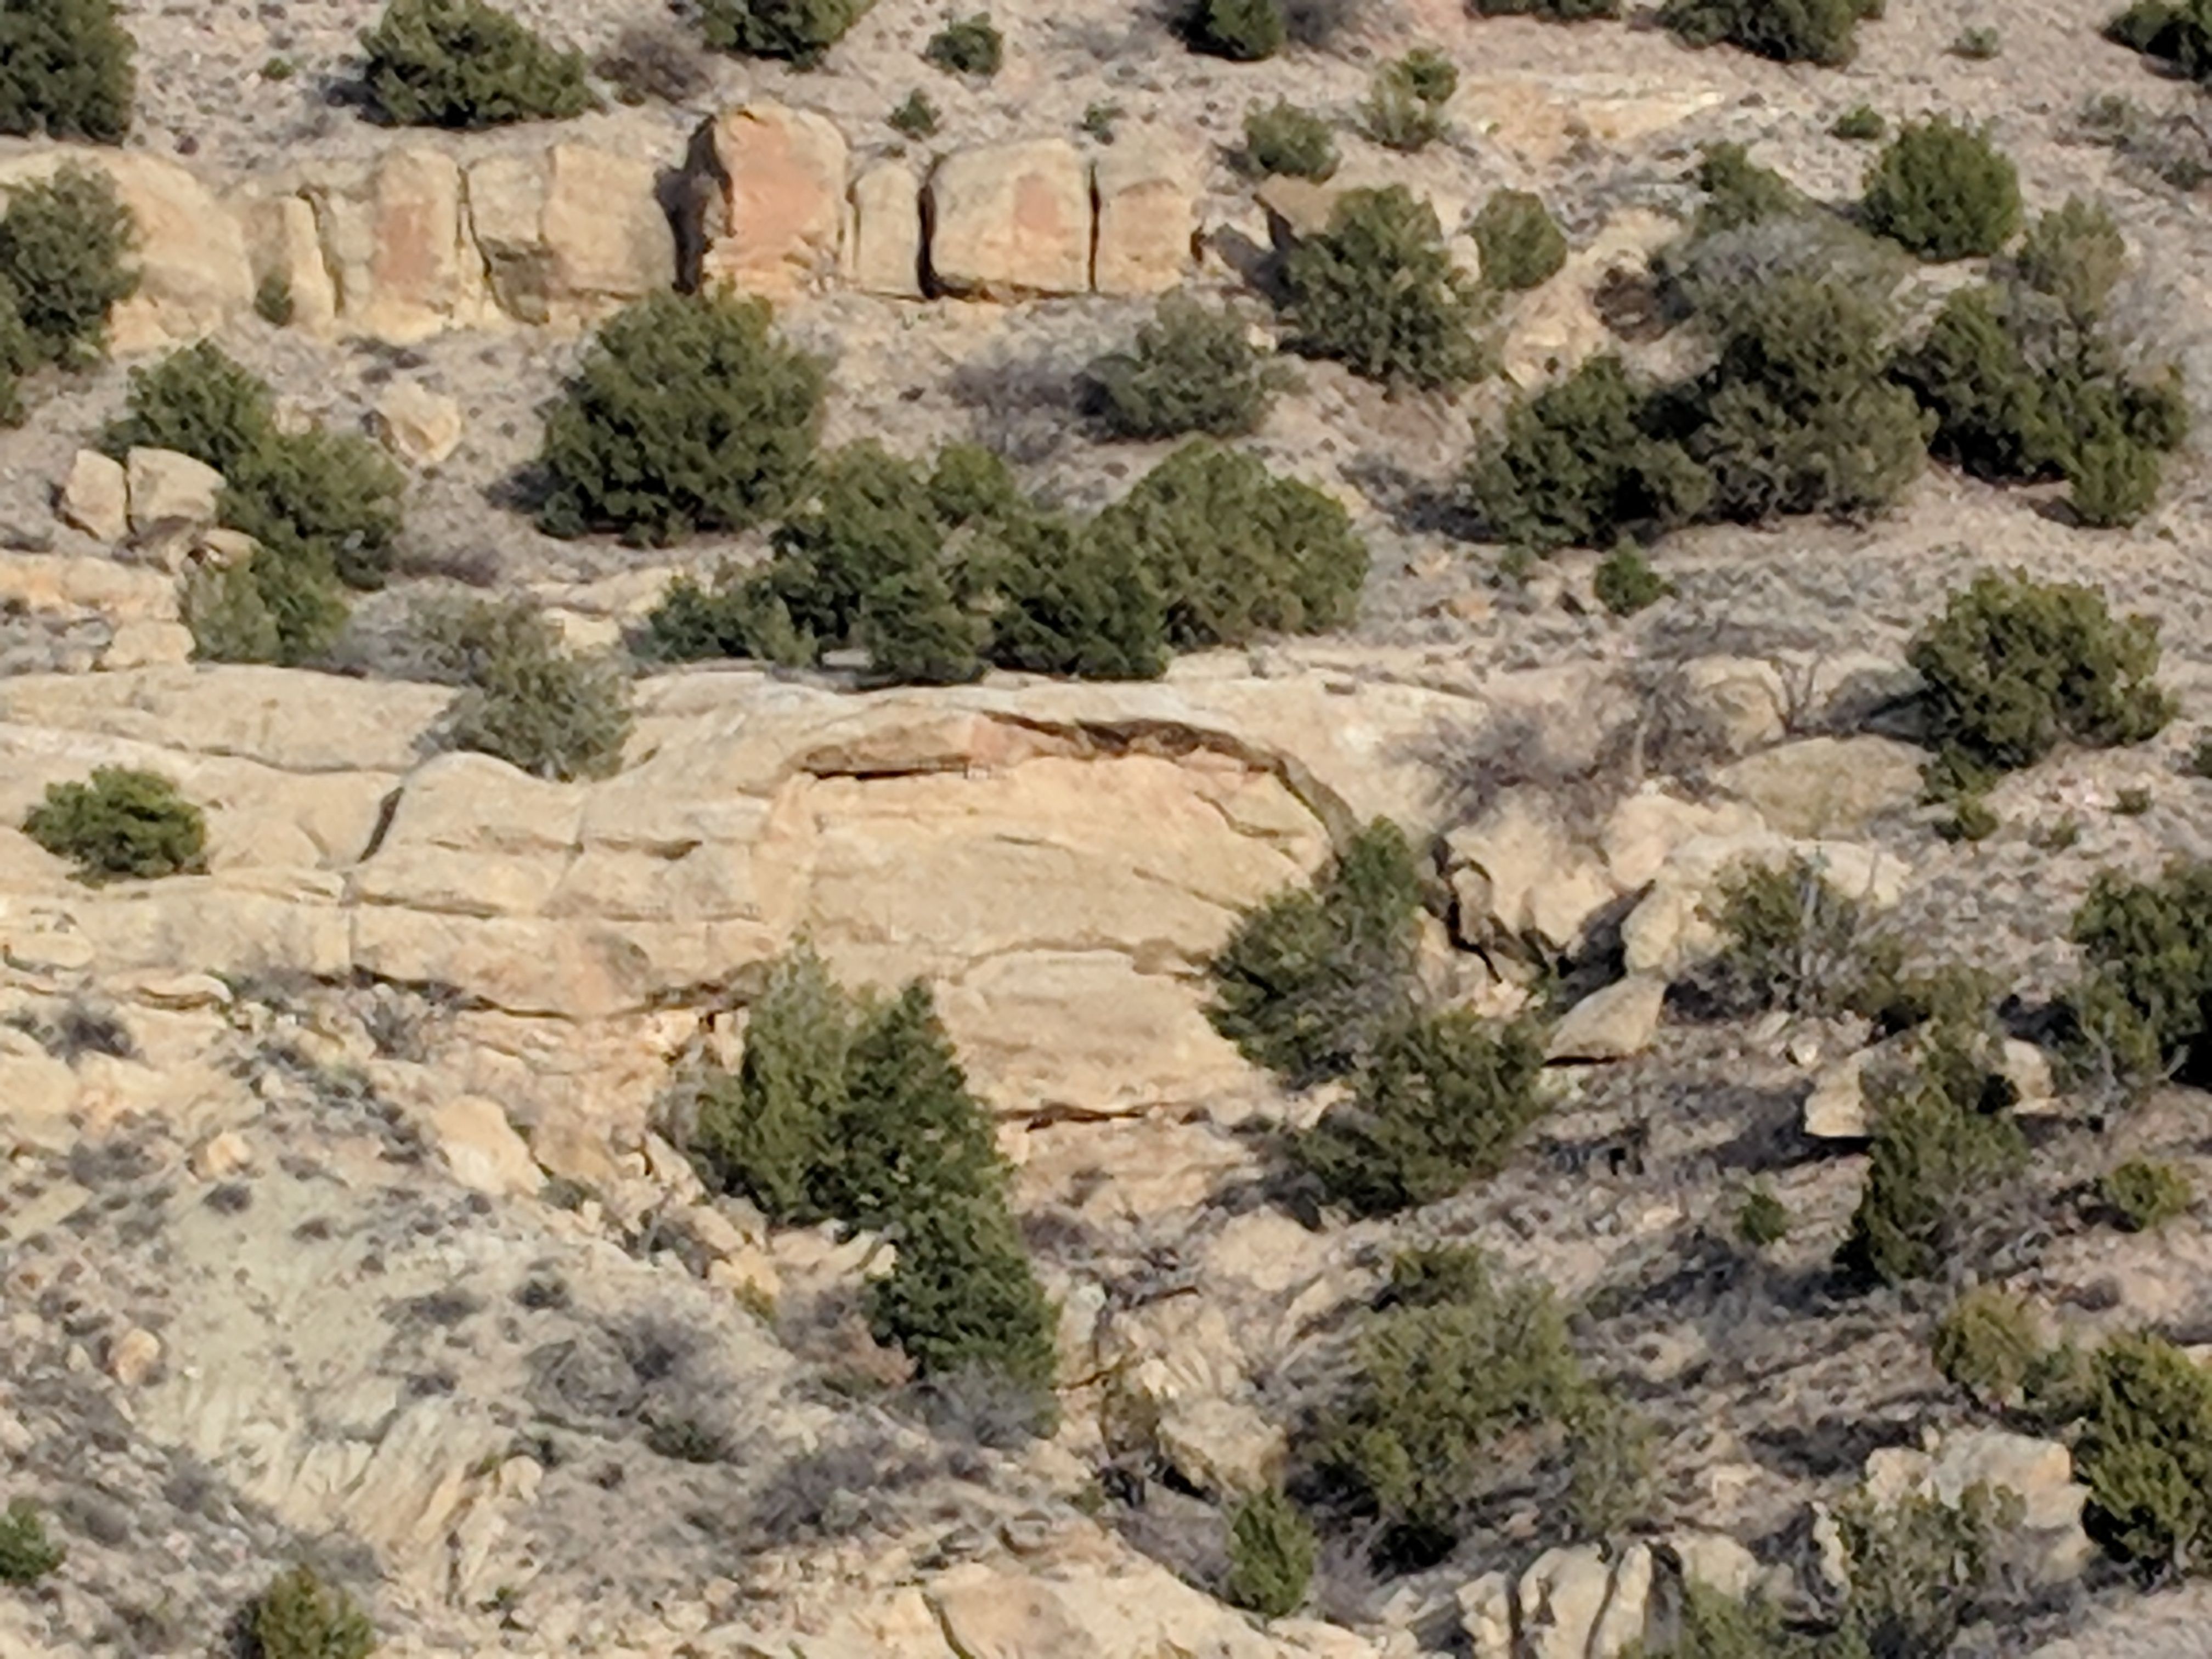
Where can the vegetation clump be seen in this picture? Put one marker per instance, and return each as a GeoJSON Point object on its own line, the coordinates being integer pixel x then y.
{"type": "Point", "coordinates": [856, 1109]}
{"type": "Point", "coordinates": [1242, 31]}
{"type": "Point", "coordinates": [1521, 243]}
{"type": "Point", "coordinates": [65, 70]}
{"type": "Point", "coordinates": [1556, 11]}
{"type": "Point", "coordinates": [2145, 1196]}
{"type": "Point", "coordinates": [1624, 583]}
{"type": "Point", "coordinates": [1987, 1344]}
{"type": "Point", "coordinates": [1463, 1387]}
{"type": "Point", "coordinates": [1406, 105]}
{"type": "Point", "coordinates": [2145, 1453]}
{"type": "Point", "coordinates": [2145, 997]}
{"type": "Point", "coordinates": [2175, 31]}
{"type": "Point", "coordinates": [1378, 292]}
{"type": "Point", "coordinates": [1271, 1555]}
{"type": "Point", "coordinates": [1282, 138]}
{"type": "Point", "coordinates": [2014, 667]}
{"type": "Point", "coordinates": [466, 64]}
{"type": "Point", "coordinates": [687, 415]}
{"type": "Point", "coordinates": [800, 31]}
{"type": "Point", "coordinates": [1823, 32]}
{"type": "Point", "coordinates": [65, 264]}
{"type": "Point", "coordinates": [125, 823]}
{"type": "Point", "coordinates": [1192, 370]}
{"type": "Point", "coordinates": [527, 699]}
{"type": "Point", "coordinates": [300, 1617]}
{"type": "Point", "coordinates": [1862, 124]}
{"type": "Point", "coordinates": [1942, 191]}
{"type": "Point", "coordinates": [968, 45]}
{"type": "Point", "coordinates": [27, 1554]}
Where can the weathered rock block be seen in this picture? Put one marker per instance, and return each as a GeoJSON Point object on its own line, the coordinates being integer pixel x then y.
{"type": "Point", "coordinates": [569, 233]}
{"type": "Point", "coordinates": [94, 497]}
{"type": "Point", "coordinates": [766, 185]}
{"type": "Point", "coordinates": [1148, 217]}
{"type": "Point", "coordinates": [1011, 220]}
{"type": "Point", "coordinates": [286, 248]}
{"type": "Point", "coordinates": [884, 253]}
{"type": "Point", "coordinates": [166, 488]}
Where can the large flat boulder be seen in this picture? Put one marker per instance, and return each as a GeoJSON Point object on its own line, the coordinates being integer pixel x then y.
{"type": "Point", "coordinates": [1011, 220]}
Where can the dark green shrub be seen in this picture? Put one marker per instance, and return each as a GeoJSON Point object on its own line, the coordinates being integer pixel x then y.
{"type": "Point", "coordinates": [2115, 481]}
{"type": "Point", "coordinates": [300, 1617]}
{"type": "Point", "coordinates": [1971, 371]}
{"type": "Point", "coordinates": [18, 356]}
{"type": "Point", "coordinates": [968, 45]}
{"type": "Point", "coordinates": [915, 118]}
{"type": "Point", "coordinates": [686, 415]}
{"type": "Point", "coordinates": [1314, 980]}
{"type": "Point", "coordinates": [2075, 254]}
{"type": "Point", "coordinates": [1625, 582]}
{"type": "Point", "coordinates": [916, 632]}
{"type": "Point", "coordinates": [1405, 104]}
{"type": "Point", "coordinates": [1192, 370]}
{"type": "Point", "coordinates": [27, 1554]}
{"type": "Point", "coordinates": [464, 63]}
{"type": "Point", "coordinates": [1460, 1387]}
{"type": "Point", "coordinates": [1739, 191]}
{"type": "Point", "coordinates": [802, 31]}
{"type": "Point", "coordinates": [65, 70]}
{"type": "Point", "coordinates": [1377, 292]}
{"type": "Point", "coordinates": [1977, 44]}
{"type": "Point", "coordinates": [198, 402]}
{"type": "Point", "coordinates": [1556, 11]}
{"type": "Point", "coordinates": [267, 609]}
{"type": "Point", "coordinates": [1242, 31]}
{"type": "Point", "coordinates": [1988, 1345]}
{"type": "Point", "coordinates": [123, 823]}
{"type": "Point", "coordinates": [1712, 1625]}
{"type": "Point", "coordinates": [1944, 1150]}
{"type": "Point", "coordinates": [528, 699]}
{"type": "Point", "coordinates": [1440, 1102]}
{"type": "Point", "coordinates": [1521, 245]}
{"type": "Point", "coordinates": [64, 251]}
{"type": "Point", "coordinates": [1789, 31]}
{"type": "Point", "coordinates": [1942, 191]}
{"type": "Point", "coordinates": [1790, 938]}
{"type": "Point", "coordinates": [1799, 414]}
{"type": "Point", "coordinates": [1271, 1555]}
{"type": "Point", "coordinates": [1232, 551]}
{"type": "Point", "coordinates": [868, 520]}
{"type": "Point", "coordinates": [2145, 1196]}
{"type": "Point", "coordinates": [1920, 1569]}
{"type": "Point", "coordinates": [272, 300]}
{"type": "Point", "coordinates": [2176, 32]}
{"type": "Point", "coordinates": [1287, 140]}
{"type": "Point", "coordinates": [2145, 1453]}
{"type": "Point", "coordinates": [767, 1130]}
{"type": "Point", "coordinates": [2146, 992]}
{"type": "Point", "coordinates": [1761, 1218]}
{"type": "Point", "coordinates": [1862, 124]}
{"type": "Point", "coordinates": [316, 497]}
{"type": "Point", "coordinates": [1063, 602]}
{"type": "Point", "coordinates": [1577, 464]}
{"type": "Point", "coordinates": [962, 1298]}
{"type": "Point", "coordinates": [2014, 667]}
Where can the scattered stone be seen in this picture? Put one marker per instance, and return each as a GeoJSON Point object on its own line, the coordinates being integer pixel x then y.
{"type": "Point", "coordinates": [482, 1150]}
{"type": "Point", "coordinates": [221, 1155]}
{"type": "Point", "coordinates": [95, 496]}
{"type": "Point", "coordinates": [1614, 1023]}
{"type": "Point", "coordinates": [133, 1356]}
{"type": "Point", "coordinates": [166, 488]}
{"type": "Point", "coordinates": [421, 426]}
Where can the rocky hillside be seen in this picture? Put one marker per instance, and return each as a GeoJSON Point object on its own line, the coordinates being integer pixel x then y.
{"type": "Point", "coordinates": [1550, 1027]}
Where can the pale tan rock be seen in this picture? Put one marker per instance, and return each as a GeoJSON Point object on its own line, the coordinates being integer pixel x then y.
{"type": "Point", "coordinates": [147, 645]}
{"type": "Point", "coordinates": [1827, 786]}
{"type": "Point", "coordinates": [94, 497]}
{"type": "Point", "coordinates": [1222, 1446]}
{"type": "Point", "coordinates": [221, 1155]}
{"type": "Point", "coordinates": [193, 273]}
{"type": "Point", "coordinates": [569, 232]}
{"type": "Point", "coordinates": [884, 253]}
{"type": "Point", "coordinates": [1011, 220]}
{"type": "Point", "coordinates": [166, 486]}
{"type": "Point", "coordinates": [133, 1356]}
{"type": "Point", "coordinates": [1485, 1613]}
{"type": "Point", "coordinates": [1644, 829]}
{"type": "Point", "coordinates": [774, 182]}
{"type": "Point", "coordinates": [421, 426]}
{"type": "Point", "coordinates": [398, 249]}
{"type": "Point", "coordinates": [1553, 331]}
{"type": "Point", "coordinates": [1541, 879]}
{"type": "Point", "coordinates": [1717, 1561]}
{"type": "Point", "coordinates": [1627, 1597]}
{"type": "Point", "coordinates": [286, 248]}
{"type": "Point", "coordinates": [1561, 1597]}
{"type": "Point", "coordinates": [1614, 1023]}
{"type": "Point", "coordinates": [2038, 1473]}
{"type": "Point", "coordinates": [1147, 218]}
{"type": "Point", "coordinates": [1837, 1108]}
{"type": "Point", "coordinates": [123, 593]}
{"type": "Point", "coordinates": [482, 1148]}
{"type": "Point", "coordinates": [1296, 208]}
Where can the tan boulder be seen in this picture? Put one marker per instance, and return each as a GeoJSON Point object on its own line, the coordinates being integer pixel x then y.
{"type": "Point", "coordinates": [1554, 330]}
{"type": "Point", "coordinates": [193, 273]}
{"type": "Point", "coordinates": [884, 252]}
{"type": "Point", "coordinates": [286, 247]}
{"type": "Point", "coordinates": [1541, 879]}
{"type": "Point", "coordinates": [1011, 220]}
{"type": "Point", "coordinates": [1614, 1023]}
{"type": "Point", "coordinates": [1221, 1446]}
{"type": "Point", "coordinates": [1296, 208]}
{"type": "Point", "coordinates": [147, 645]}
{"type": "Point", "coordinates": [2039, 1474]}
{"type": "Point", "coordinates": [481, 1149]}
{"type": "Point", "coordinates": [1643, 831]}
{"type": "Point", "coordinates": [398, 252]}
{"type": "Point", "coordinates": [771, 182]}
{"type": "Point", "coordinates": [1147, 218]}
{"type": "Point", "coordinates": [1562, 1596]}
{"type": "Point", "coordinates": [95, 497]}
{"type": "Point", "coordinates": [1827, 786]}
{"type": "Point", "coordinates": [421, 426]}
{"type": "Point", "coordinates": [134, 1356]}
{"type": "Point", "coordinates": [569, 232]}
{"type": "Point", "coordinates": [124, 593]}
{"type": "Point", "coordinates": [167, 487]}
